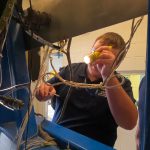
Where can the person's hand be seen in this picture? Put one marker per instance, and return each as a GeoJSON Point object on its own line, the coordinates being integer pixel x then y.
{"type": "Point", "coordinates": [45, 92]}
{"type": "Point", "coordinates": [105, 61]}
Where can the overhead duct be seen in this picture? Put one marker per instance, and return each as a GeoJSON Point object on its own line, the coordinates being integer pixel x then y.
{"type": "Point", "coordinates": [72, 18]}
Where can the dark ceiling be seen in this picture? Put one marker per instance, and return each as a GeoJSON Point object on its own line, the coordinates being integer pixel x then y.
{"type": "Point", "coordinates": [74, 17]}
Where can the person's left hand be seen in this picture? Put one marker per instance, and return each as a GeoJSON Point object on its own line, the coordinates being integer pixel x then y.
{"type": "Point", "coordinates": [104, 63]}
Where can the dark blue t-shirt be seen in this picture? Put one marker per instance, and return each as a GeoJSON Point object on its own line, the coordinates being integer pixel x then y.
{"type": "Point", "coordinates": [86, 112]}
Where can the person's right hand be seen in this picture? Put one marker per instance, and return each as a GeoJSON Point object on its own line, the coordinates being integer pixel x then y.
{"type": "Point", "coordinates": [45, 92]}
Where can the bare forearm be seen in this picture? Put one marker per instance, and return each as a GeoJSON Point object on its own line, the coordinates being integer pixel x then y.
{"type": "Point", "coordinates": [122, 108]}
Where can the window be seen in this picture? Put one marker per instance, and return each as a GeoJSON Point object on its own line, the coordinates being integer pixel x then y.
{"type": "Point", "coordinates": [135, 81]}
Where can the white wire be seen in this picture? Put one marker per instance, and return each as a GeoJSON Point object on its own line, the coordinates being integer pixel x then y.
{"type": "Point", "coordinates": [121, 83]}
{"type": "Point", "coordinates": [26, 117]}
{"type": "Point", "coordinates": [14, 86]}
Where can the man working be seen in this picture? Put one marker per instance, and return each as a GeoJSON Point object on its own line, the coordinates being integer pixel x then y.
{"type": "Point", "coordinates": [86, 111]}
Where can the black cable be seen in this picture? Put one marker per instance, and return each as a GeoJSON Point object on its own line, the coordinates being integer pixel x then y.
{"type": "Point", "coordinates": [19, 19]}
{"type": "Point", "coordinates": [30, 4]}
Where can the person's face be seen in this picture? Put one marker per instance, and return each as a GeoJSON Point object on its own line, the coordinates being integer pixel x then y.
{"type": "Point", "coordinates": [92, 69]}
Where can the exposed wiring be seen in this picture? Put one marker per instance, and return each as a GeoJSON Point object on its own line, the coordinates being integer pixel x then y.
{"type": "Point", "coordinates": [72, 83]}
{"type": "Point", "coordinates": [123, 53]}
{"type": "Point", "coordinates": [16, 89]}
{"type": "Point", "coordinates": [85, 85]}
{"type": "Point", "coordinates": [38, 142]}
{"type": "Point", "coordinates": [11, 103]}
{"type": "Point", "coordinates": [25, 120]}
{"type": "Point", "coordinates": [70, 88]}
{"type": "Point", "coordinates": [62, 81]}
{"type": "Point", "coordinates": [116, 63]}
{"type": "Point", "coordinates": [119, 76]}
{"type": "Point", "coordinates": [81, 85]}
{"type": "Point", "coordinates": [4, 26]}
{"type": "Point", "coordinates": [30, 98]}
{"type": "Point", "coordinates": [26, 117]}
{"type": "Point", "coordinates": [15, 86]}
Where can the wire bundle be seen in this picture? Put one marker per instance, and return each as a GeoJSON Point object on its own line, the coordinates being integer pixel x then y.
{"type": "Point", "coordinates": [70, 83]}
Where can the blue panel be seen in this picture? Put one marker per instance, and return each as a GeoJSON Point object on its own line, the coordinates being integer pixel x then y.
{"type": "Point", "coordinates": [7, 142]}
{"type": "Point", "coordinates": [14, 71]}
{"type": "Point", "coordinates": [76, 140]}
{"type": "Point", "coordinates": [6, 83]}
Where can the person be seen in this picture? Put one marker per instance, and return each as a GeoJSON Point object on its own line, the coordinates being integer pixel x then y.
{"type": "Point", "coordinates": [87, 112]}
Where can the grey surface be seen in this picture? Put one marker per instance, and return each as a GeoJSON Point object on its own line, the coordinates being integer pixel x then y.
{"type": "Point", "coordinates": [74, 17]}
{"type": "Point", "coordinates": [6, 143]}
{"type": "Point", "coordinates": [7, 136]}
{"type": "Point", "coordinates": [8, 133]}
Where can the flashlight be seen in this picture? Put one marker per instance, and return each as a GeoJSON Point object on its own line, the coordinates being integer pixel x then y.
{"type": "Point", "coordinates": [93, 56]}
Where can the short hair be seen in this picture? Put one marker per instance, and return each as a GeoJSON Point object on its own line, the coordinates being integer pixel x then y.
{"type": "Point", "coordinates": [113, 39]}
